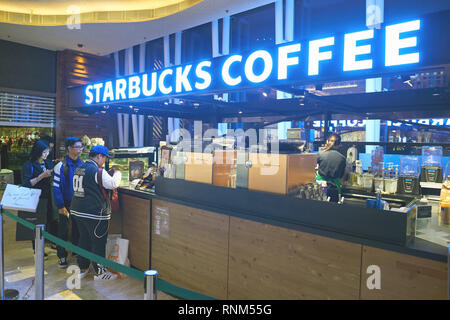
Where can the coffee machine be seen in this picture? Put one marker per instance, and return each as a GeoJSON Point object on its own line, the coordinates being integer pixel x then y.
{"type": "Point", "coordinates": [431, 170]}
{"type": "Point", "coordinates": [408, 180]}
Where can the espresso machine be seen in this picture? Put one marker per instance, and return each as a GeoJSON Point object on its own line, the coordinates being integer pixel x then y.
{"type": "Point", "coordinates": [409, 180]}
{"type": "Point", "coordinates": [431, 170]}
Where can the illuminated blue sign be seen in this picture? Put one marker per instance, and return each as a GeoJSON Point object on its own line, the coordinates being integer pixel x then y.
{"type": "Point", "coordinates": [356, 54]}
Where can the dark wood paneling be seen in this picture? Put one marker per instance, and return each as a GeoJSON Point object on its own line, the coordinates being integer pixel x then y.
{"type": "Point", "coordinates": [74, 69]}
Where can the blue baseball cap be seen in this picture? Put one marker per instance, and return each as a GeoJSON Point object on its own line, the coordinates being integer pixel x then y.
{"type": "Point", "coordinates": [101, 149]}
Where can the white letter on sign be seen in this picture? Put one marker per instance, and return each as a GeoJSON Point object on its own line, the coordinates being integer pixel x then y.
{"type": "Point", "coordinates": [89, 96]}
{"type": "Point", "coordinates": [351, 50]}
{"type": "Point", "coordinates": [394, 43]}
{"type": "Point", "coordinates": [268, 64]}
{"type": "Point", "coordinates": [226, 71]}
{"type": "Point", "coordinates": [134, 90]}
{"type": "Point", "coordinates": [315, 55]}
{"type": "Point", "coordinates": [162, 88]}
{"type": "Point", "coordinates": [181, 78]}
{"type": "Point", "coordinates": [284, 61]}
{"type": "Point", "coordinates": [203, 75]}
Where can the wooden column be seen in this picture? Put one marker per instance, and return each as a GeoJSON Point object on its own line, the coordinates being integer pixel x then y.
{"type": "Point", "coordinates": [74, 69]}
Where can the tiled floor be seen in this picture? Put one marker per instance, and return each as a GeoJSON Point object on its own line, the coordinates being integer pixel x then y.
{"type": "Point", "coordinates": [19, 275]}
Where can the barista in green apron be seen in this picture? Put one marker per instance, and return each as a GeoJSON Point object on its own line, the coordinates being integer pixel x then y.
{"type": "Point", "coordinates": [331, 167]}
{"type": "Point", "coordinates": [336, 182]}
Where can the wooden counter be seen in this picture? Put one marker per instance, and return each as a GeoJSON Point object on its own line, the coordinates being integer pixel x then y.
{"type": "Point", "coordinates": [403, 276]}
{"type": "Point", "coordinates": [227, 256]}
{"type": "Point", "coordinates": [133, 222]}
{"type": "Point", "coordinates": [269, 262]}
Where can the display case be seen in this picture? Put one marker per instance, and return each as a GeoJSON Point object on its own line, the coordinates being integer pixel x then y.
{"type": "Point", "coordinates": [132, 162]}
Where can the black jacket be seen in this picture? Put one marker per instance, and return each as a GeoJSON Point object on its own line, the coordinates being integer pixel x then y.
{"type": "Point", "coordinates": [32, 169]}
{"type": "Point", "coordinates": [88, 200]}
{"type": "Point", "coordinates": [331, 164]}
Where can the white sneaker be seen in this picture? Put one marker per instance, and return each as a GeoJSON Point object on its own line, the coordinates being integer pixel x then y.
{"type": "Point", "coordinates": [104, 274]}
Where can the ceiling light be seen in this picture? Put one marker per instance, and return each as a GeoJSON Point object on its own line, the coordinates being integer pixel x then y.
{"type": "Point", "coordinates": [240, 111]}
{"type": "Point", "coordinates": [196, 104]}
{"type": "Point", "coordinates": [166, 103]}
{"type": "Point", "coordinates": [65, 12]}
{"type": "Point", "coordinates": [264, 94]}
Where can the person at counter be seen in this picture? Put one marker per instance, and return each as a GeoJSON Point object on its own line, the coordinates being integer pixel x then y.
{"type": "Point", "coordinates": [91, 208]}
{"type": "Point", "coordinates": [332, 165]}
{"type": "Point", "coordinates": [36, 174]}
{"type": "Point", "coordinates": [63, 192]}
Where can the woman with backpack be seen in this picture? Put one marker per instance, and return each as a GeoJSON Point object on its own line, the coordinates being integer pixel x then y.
{"type": "Point", "coordinates": [36, 173]}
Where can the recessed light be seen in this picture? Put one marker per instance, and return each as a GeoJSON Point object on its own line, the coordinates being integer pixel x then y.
{"type": "Point", "coordinates": [166, 103]}
{"type": "Point", "coordinates": [240, 111]}
{"type": "Point", "coordinates": [264, 94]}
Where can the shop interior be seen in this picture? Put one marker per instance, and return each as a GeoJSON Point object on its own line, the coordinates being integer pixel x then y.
{"type": "Point", "coordinates": [403, 168]}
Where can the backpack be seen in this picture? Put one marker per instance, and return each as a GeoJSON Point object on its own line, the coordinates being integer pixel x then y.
{"type": "Point", "coordinates": [65, 169]}
{"type": "Point", "coordinates": [113, 196]}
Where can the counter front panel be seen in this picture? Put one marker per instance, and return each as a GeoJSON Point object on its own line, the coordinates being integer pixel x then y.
{"type": "Point", "coordinates": [190, 247]}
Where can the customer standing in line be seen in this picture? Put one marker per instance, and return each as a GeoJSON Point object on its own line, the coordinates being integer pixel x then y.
{"type": "Point", "coordinates": [91, 209]}
{"type": "Point", "coordinates": [52, 223]}
{"type": "Point", "coordinates": [36, 174]}
{"type": "Point", "coordinates": [63, 193]}
{"type": "Point", "coordinates": [332, 165]}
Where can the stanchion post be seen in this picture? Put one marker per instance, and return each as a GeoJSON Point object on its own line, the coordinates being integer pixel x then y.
{"type": "Point", "coordinates": [150, 284]}
{"type": "Point", "coordinates": [2, 262]}
{"type": "Point", "coordinates": [39, 262]}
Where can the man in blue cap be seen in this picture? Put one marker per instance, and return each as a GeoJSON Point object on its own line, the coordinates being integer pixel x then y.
{"type": "Point", "coordinates": [91, 208]}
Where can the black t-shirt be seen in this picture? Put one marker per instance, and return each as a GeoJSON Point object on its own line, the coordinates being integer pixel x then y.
{"type": "Point", "coordinates": [32, 169]}
{"type": "Point", "coordinates": [331, 164]}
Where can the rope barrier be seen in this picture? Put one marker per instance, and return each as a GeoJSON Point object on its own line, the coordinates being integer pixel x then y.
{"type": "Point", "coordinates": [137, 274]}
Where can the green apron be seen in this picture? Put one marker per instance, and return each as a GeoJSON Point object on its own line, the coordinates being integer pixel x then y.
{"type": "Point", "coordinates": [336, 181]}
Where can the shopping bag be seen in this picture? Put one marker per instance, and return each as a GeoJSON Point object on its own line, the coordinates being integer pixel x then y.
{"type": "Point", "coordinates": [117, 251]}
